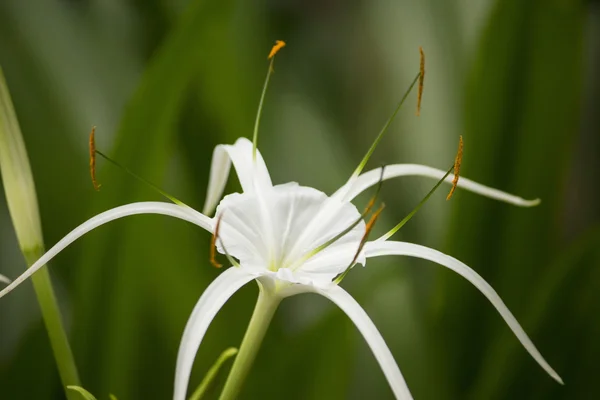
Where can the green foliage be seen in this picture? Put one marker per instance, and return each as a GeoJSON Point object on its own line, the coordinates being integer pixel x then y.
{"type": "Point", "coordinates": [84, 393]}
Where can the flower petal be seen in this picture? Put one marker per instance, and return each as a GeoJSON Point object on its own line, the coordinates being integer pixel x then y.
{"type": "Point", "coordinates": [211, 301]}
{"type": "Point", "coordinates": [250, 173]}
{"type": "Point", "coordinates": [270, 229]}
{"type": "Point", "coordinates": [384, 248]}
{"type": "Point", "coordinates": [4, 279]}
{"type": "Point", "coordinates": [372, 177]}
{"type": "Point", "coordinates": [372, 336]}
{"type": "Point", "coordinates": [172, 210]}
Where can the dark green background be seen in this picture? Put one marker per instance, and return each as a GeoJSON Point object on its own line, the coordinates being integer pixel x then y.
{"type": "Point", "coordinates": [165, 81]}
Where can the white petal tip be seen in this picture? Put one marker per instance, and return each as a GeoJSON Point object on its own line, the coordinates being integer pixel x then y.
{"type": "Point", "coordinates": [5, 280]}
{"type": "Point", "coordinates": [557, 378]}
{"type": "Point", "coordinates": [531, 203]}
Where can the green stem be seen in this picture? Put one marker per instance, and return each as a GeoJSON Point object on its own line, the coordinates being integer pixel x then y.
{"type": "Point", "coordinates": [52, 319]}
{"type": "Point", "coordinates": [263, 313]}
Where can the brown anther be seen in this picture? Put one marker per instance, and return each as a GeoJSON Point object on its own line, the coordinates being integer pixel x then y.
{"type": "Point", "coordinates": [363, 241]}
{"type": "Point", "coordinates": [457, 162]}
{"type": "Point", "coordinates": [213, 244]}
{"type": "Point", "coordinates": [93, 158]}
{"type": "Point", "coordinates": [368, 229]}
{"type": "Point", "coordinates": [279, 44]}
{"type": "Point", "coordinates": [421, 80]}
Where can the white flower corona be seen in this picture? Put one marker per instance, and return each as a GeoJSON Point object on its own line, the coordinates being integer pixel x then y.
{"type": "Point", "coordinates": [273, 230]}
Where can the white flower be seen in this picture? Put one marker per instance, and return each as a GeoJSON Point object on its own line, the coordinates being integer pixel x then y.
{"type": "Point", "coordinates": [273, 230]}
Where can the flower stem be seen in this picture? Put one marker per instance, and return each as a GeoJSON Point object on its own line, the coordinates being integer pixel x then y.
{"type": "Point", "coordinates": [52, 319]}
{"type": "Point", "coordinates": [264, 310]}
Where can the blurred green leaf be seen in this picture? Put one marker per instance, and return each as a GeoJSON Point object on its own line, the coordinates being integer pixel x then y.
{"type": "Point", "coordinates": [146, 134]}
{"type": "Point", "coordinates": [575, 271]}
{"type": "Point", "coordinates": [523, 100]}
{"type": "Point", "coordinates": [84, 393]}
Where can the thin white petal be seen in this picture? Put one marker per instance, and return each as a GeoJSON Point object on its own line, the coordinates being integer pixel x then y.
{"type": "Point", "coordinates": [371, 178]}
{"type": "Point", "coordinates": [4, 279]}
{"type": "Point", "coordinates": [169, 209]}
{"type": "Point", "coordinates": [250, 172]}
{"type": "Point", "coordinates": [372, 336]}
{"type": "Point", "coordinates": [211, 301]}
{"type": "Point", "coordinates": [219, 172]}
{"type": "Point", "coordinates": [382, 248]}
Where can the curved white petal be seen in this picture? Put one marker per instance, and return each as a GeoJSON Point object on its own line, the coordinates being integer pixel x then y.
{"type": "Point", "coordinates": [250, 173]}
{"type": "Point", "coordinates": [383, 248]}
{"type": "Point", "coordinates": [4, 279]}
{"type": "Point", "coordinates": [372, 177]}
{"type": "Point", "coordinates": [372, 336]}
{"type": "Point", "coordinates": [211, 301]}
{"type": "Point", "coordinates": [169, 209]}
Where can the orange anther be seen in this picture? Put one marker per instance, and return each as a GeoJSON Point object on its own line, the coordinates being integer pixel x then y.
{"type": "Point", "coordinates": [279, 44]}
{"type": "Point", "coordinates": [421, 80]}
{"type": "Point", "coordinates": [457, 162]}
{"type": "Point", "coordinates": [93, 158]}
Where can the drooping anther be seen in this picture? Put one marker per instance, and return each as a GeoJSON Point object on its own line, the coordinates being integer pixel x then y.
{"type": "Point", "coordinates": [421, 80]}
{"type": "Point", "coordinates": [93, 158]}
{"type": "Point", "coordinates": [457, 162]}
{"type": "Point", "coordinates": [363, 241]}
{"type": "Point", "coordinates": [213, 244]}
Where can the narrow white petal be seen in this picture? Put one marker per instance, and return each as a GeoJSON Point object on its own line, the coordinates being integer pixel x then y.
{"type": "Point", "coordinates": [372, 336]}
{"type": "Point", "coordinates": [219, 172]}
{"type": "Point", "coordinates": [383, 248]}
{"type": "Point", "coordinates": [169, 209]}
{"type": "Point", "coordinates": [4, 279]}
{"type": "Point", "coordinates": [371, 178]}
{"type": "Point", "coordinates": [211, 301]}
{"type": "Point", "coordinates": [251, 173]}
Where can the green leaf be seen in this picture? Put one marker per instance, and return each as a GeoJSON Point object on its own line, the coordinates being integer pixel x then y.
{"type": "Point", "coordinates": [154, 282]}
{"type": "Point", "coordinates": [212, 373]}
{"type": "Point", "coordinates": [568, 282]}
{"type": "Point", "coordinates": [84, 393]}
{"type": "Point", "coordinates": [523, 103]}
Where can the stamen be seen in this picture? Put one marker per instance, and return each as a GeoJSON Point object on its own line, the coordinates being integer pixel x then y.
{"type": "Point", "coordinates": [414, 211]}
{"type": "Point", "coordinates": [213, 247]}
{"type": "Point", "coordinates": [213, 244]}
{"type": "Point", "coordinates": [364, 161]}
{"type": "Point", "coordinates": [457, 162]}
{"type": "Point", "coordinates": [133, 174]}
{"type": "Point", "coordinates": [421, 80]}
{"type": "Point", "coordinates": [279, 44]}
{"type": "Point", "coordinates": [363, 241]}
{"type": "Point", "coordinates": [93, 158]}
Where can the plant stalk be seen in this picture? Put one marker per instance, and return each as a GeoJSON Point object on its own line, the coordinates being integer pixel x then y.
{"type": "Point", "coordinates": [61, 349]}
{"type": "Point", "coordinates": [264, 310]}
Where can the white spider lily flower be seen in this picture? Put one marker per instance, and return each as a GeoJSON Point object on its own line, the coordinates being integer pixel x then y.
{"type": "Point", "coordinates": [273, 230]}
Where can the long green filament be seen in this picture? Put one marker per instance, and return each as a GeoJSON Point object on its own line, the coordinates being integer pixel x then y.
{"type": "Point", "coordinates": [260, 107]}
{"type": "Point", "coordinates": [143, 180]}
{"type": "Point", "coordinates": [414, 211]}
{"type": "Point", "coordinates": [366, 158]}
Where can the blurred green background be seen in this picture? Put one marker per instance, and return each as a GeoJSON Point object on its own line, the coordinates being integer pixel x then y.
{"type": "Point", "coordinates": [165, 81]}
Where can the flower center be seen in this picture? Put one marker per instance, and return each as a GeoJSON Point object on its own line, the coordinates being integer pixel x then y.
{"type": "Point", "coordinates": [277, 228]}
